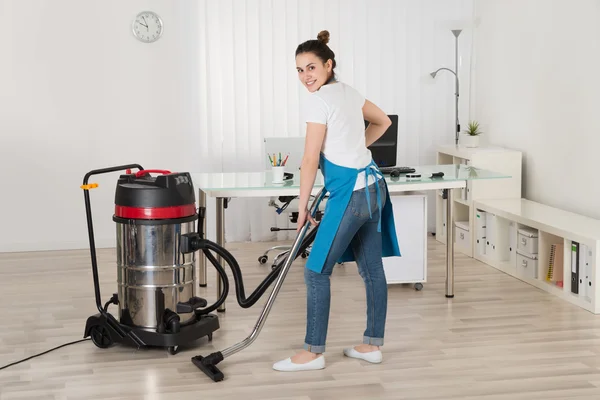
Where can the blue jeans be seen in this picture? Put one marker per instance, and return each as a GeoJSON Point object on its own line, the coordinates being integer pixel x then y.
{"type": "Point", "coordinates": [359, 230]}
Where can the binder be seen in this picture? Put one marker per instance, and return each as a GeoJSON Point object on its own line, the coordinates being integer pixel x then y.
{"type": "Point", "coordinates": [589, 294]}
{"type": "Point", "coordinates": [575, 267]}
{"type": "Point", "coordinates": [467, 189]}
{"type": "Point", "coordinates": [464, 191]}
{"type": "Point", "coordinates": [468, 192]}
{"type": "Point", "coordinates": [444, 216]}
{"type": "Point", "coordinates": [512, 227]}
{"type": "Point", "coordinates": [555, 267]}
{"type": "Point", "coordinates": [490, 233]}
{"type": "Point", "coordinates": [501, 239]}
{"type": "Point", "coordinates": [480, 228]}
{"type": "Point", "coordinates": [481, 221]}
{"type": "Point", "coordinates": [584, 275]}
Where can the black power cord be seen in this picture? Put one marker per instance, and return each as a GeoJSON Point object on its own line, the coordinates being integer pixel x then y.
{"type": "Point", "coordinates": [45, 352]}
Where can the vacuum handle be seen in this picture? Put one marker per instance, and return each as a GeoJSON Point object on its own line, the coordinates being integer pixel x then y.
{"type": "Point", "coordinates": [111, 169]}
{"type": "Point", "coordinates": [156, 171]}
{"type": "Point", "coordinates": [88, 211]}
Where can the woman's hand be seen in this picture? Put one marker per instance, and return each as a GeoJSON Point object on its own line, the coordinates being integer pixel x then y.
{"type": "Point", "coordinates": [303, 214]}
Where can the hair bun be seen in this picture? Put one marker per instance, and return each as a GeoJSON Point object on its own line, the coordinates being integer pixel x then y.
{"type": "Point", "coordinates": [323, 36]}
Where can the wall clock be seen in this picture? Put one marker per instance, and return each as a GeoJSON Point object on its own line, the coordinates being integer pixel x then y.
{"type": "Point", "coordinates": [147, 27]}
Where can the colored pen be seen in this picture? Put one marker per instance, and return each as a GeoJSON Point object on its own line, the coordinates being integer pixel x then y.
{"type": "Point", "coordinates": [270, 159]}
{"type": "Point", "coordinates": [284, 161]}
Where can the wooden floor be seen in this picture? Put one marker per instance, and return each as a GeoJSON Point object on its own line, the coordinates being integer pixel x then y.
{"type": "Point", "coordinates": [498, 338]}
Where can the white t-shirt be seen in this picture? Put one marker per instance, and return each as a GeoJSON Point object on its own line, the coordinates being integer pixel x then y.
{"type": "Point", "coordinates": [339, 106]}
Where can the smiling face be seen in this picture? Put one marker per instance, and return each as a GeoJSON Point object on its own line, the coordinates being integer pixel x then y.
{"type": "Point", "coordinates": [312, 72]}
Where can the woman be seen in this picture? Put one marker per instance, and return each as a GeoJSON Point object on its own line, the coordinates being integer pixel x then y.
{"type": "Point", "coordinates": [358, 222]}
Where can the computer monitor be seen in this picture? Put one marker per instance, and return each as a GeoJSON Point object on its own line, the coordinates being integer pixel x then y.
{"type": "Point", "coordinates": [385, 149]}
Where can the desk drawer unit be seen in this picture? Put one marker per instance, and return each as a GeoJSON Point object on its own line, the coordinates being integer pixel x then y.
{"type": "Point", "coordinates": [527, 241]}
{"type": "Point", "coordinates": [527, 265]}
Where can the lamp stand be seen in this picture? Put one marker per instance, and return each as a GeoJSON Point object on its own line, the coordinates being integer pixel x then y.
{"type": "Point", "coordinates": [456, 33]}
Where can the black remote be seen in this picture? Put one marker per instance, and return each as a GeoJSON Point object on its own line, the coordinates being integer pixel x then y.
{"type": "Point", "coordinates": [437, 175]}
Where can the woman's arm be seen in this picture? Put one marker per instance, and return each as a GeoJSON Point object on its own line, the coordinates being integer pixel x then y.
{"type": "Point", "coordinates": [315, 134]}
{"type": "Point", "coordinates": [379, 122]}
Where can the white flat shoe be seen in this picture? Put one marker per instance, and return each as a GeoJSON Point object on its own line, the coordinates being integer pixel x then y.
{"type": "Point", "coordinates": [288, 366]}
{"type": "Point", "coordinates": [374, 357]}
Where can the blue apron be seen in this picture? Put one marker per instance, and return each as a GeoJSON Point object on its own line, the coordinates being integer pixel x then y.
{"type": "Point", "coordinates": [339, 183]}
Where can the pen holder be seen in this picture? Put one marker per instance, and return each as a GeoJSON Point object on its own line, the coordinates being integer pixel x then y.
{"type": "Point", "coordinates": [278, 174]}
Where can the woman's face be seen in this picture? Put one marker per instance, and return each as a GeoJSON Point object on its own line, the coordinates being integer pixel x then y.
{"type": "Point", "coordinates": [312, 72]}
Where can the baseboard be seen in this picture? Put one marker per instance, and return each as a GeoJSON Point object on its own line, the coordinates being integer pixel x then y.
{"type": "Point", "coordinates": [55, 246]}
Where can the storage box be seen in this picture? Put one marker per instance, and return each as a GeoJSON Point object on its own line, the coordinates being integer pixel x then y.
{"type": "Point", "coordinates": [527, 265]}
{"type": "Point", "coordinates": [527, 241]}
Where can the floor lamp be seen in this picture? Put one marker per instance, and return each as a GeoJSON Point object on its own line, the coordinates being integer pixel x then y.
{"type": "Point", "coordinates": [456, 33]}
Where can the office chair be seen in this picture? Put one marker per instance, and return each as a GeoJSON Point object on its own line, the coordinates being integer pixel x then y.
{"type": "Point", "coordinates": [293, 216]}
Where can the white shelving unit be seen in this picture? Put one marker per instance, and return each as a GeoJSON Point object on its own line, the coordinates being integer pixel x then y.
{"type": "Point", "coordinates": [551, 249]}
{"type": "Point", "coordinates": [492, 158]}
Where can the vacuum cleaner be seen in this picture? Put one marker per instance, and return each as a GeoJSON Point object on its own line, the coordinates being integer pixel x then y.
{"type": "Point", "coordinates": [208, 364]}
{"type": "Point", "coordinates": [156, 246]}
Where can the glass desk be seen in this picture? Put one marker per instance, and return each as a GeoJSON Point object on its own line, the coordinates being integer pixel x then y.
{"type": "Point", "coordinates": [259, 184]}
{"type": "Point", "coordinates": [223, 185]}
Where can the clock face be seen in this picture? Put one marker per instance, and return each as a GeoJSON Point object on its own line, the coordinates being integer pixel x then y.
{"type": "Point", "coordinates": [147, 27]}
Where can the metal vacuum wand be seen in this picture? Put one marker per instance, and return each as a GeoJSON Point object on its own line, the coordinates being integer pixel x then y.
{"type": "Point", "coordinates": [208, 364]}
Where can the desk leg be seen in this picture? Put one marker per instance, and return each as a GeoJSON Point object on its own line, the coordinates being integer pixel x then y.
{"type": "Point", "coordinates": [202, 278]}
{"type": "Point", "coordinates": [449, 243]}
{"type": "Point", "coordinates": [220, 242]}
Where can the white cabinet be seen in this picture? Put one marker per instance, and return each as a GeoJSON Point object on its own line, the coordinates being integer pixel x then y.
{"type": "Point", "coordinates": [549, 248]}
{"type": "Point", "coordinates": [492, 158]}
{"type": "Point", "coordinates": [410, 215]}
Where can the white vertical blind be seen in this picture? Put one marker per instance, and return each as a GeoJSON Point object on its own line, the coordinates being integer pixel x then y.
{"type": "Point", "coordinates": [248, 89]}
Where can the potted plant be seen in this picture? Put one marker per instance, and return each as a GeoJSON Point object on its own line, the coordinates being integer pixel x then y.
{"type": "Point", "coordinates": [471, 135]}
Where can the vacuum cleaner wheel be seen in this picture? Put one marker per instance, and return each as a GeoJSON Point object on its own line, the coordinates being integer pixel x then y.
{"type": "Point", "coordinates": [101, 336]}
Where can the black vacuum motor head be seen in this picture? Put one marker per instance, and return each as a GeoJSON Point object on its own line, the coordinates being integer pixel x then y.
{"type": "Point", "coordinates": [140, 195]}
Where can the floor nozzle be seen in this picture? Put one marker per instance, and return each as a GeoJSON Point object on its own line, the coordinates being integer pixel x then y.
{"type": "Point", "coordinates": [208, 366]}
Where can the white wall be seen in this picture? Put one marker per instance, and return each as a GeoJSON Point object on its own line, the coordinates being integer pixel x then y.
{"type": "Point", "coordinates": [79, 93]}
{"type": "Point", "coordinates": [536, 88]}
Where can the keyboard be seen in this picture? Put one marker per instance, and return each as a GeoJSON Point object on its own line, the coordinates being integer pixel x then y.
{"type": "Point", "coordinates": [401, 170]}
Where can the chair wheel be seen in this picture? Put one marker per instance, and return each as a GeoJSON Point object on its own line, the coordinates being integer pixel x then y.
{"type": "Point", "coordinates": [263, 259]}
{"type": "Point", "coordinates": [173, 350]}
{"type": "Point", "coordinates": [304, 254]}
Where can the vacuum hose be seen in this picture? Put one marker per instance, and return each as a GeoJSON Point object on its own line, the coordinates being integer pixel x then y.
{"type": "Point", "coordinates": [207, 246]}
